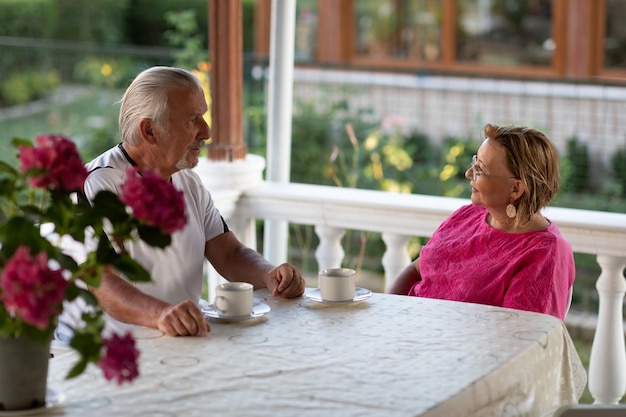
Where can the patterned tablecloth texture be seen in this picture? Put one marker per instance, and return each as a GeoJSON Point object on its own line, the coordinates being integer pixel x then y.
{"type": "Point", "coordinates": [385, 356]}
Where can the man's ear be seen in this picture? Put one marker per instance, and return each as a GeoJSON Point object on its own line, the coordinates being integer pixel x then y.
{"type": "Point", "coordinates": [147, 130]}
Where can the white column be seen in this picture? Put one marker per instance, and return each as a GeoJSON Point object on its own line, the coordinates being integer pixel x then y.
{"type": "Point", "coordinates": [607, 364]}
{"type": "Point", "coordinates": [279, 111]}
{"type": "Point", "coordinates": [238, 175]}
{"type": "Point", "coordinates": [396, 256]}
{"type": "Point", "coordinates": [329, 253]}
{"type": "Point", "coordinates": [235, 177]}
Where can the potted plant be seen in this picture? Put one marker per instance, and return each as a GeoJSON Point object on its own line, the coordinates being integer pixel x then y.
{"type": "Point", "coordinates": [38, 210]}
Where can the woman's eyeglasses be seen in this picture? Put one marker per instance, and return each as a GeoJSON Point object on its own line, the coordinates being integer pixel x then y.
{"type": "Point", "coordinates": [476, 172]}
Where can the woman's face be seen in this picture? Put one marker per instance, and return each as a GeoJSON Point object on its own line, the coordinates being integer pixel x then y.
{"type": "Point", "coordinates": [493, 186]}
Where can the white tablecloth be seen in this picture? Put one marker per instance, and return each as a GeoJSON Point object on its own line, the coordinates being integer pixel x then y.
{"type": "Point", "coordinates": [385, 356]}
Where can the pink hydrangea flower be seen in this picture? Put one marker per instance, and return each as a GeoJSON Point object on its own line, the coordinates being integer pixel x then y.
{"type": "Point", "coordinates": [58, 161]}
{"type": "Point", "coordinates": [154, 200]}
{"type": "Point", "coordinates": [120, 359]}
{"type": "Point", "coordinates": [30, 289]}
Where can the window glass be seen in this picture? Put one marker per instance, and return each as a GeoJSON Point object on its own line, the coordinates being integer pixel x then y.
{"type": "Point", "coordinates": [505, 32]}
{"type": "Point", "coordinates": [615, 38]}
{"type": "Point", "coordinates": [399, 29]}
{"type": "Point", "coordinates": [306, 30]}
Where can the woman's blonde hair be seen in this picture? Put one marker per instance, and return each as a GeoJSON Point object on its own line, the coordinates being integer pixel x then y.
{"type": "Point", "coordinates": [533, 159]}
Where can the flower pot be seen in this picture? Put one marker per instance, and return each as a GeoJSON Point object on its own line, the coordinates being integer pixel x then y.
{"type": "Point", "coordinates": [23, 373]}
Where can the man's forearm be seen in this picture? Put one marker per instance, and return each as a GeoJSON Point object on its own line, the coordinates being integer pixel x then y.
{"type": "Point", "coordinates": [126, 303]}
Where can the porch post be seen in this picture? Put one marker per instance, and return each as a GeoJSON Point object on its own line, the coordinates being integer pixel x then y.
{"type": "Point", "coordinates": [226, 50]}
{"type": "Point", "coordinates": [279, 115]}
{"type": "Point", "coordinates": [228, 166]}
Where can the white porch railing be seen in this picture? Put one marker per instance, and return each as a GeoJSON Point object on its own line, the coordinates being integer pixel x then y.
{"type": "Point", "coordinates": [399, 217]}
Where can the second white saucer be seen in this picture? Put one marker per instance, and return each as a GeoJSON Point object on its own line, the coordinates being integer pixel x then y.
{"type": "Point", "coordinates": [359, 295]}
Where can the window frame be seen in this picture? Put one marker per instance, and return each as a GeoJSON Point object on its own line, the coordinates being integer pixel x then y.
{"type": "Point", "coordinates": [576, 23]}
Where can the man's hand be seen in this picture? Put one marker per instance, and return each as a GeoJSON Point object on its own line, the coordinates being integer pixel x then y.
{"type": "Point", "coordinates": [285, 281]}
{"type": "Point", "coordinates": [184, 319]}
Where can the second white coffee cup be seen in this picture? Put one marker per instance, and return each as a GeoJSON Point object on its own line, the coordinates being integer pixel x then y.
{"type": "Point", "coordinates": [234, 299]}
{"type": "Point", "coordinates": [337, 284]}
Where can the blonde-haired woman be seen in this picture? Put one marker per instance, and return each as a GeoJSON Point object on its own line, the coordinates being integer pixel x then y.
{"type": "Point", "coordinates": [500, 250]}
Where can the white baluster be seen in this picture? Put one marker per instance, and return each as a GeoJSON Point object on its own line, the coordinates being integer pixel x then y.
{"type": "Point", "coordinates": [607, 364]}
{"type": "Point", "coordinates": [329, 253]}
{"type": "Point", "coordinates": [396, 256]}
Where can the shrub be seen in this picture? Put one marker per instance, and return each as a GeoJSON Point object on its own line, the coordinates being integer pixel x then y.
{"type": "Point", "coordinates": [146, 24]}
{"type": "Point", "coordinates": [578, 156]}
{"type": "Point", "coordinates": [456, 157]}
{"type": "Point", "coordinates": [102, 72]}
{"type": "Point", "coordinates": [619, 169]}
{"type": "Point", "coordinates": [22, 87]}
{"type": "Point", "coordinates": [100, 21]}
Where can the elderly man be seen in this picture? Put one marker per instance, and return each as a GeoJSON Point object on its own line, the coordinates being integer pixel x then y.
{"type": "Point", "coordinates": [163, 129]}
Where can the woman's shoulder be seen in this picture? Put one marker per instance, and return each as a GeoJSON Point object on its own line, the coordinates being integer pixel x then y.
{"type": "Point", "coordinates": [547, 241]}
{"type": "Point", "coordinates": [469, 211]}
{"type": "Point", "coordinates": [553, 233]}
{"type": "Point", "coordinates": [467, 218]}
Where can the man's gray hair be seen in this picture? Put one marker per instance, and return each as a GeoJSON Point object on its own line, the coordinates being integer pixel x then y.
{"type": "Point", "coordinates": [147, 98]}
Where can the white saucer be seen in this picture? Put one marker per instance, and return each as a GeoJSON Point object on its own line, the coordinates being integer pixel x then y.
{"type": "Point", "coordinates": [54, 398]}
{"type": "Point", "coordinates": [258, 310]}
{"type": "Point", "coordinates": [360, 295]}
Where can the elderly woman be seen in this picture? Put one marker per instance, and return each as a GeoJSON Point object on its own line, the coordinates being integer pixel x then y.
{"type": "Point", "coordinates": [500, 250]}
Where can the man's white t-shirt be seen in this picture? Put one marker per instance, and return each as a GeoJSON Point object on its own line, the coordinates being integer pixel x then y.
{"type": "Point", "coordinates": [176, 270]}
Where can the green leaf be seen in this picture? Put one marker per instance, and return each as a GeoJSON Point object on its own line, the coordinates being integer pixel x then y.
{"type": "Point", "coordinates": [105, 254]}
{"type": "Point", "coordinates": [77, 369]}
{"type": "Point", "coordinates": [32, 213]}
{"type": "Point", "coordinates": [7, 327]}
{"type": "Point", "coordinates": [153, 236]}
{"type": "Point", "coordinates": [4, 167]}
{"type": "Point", "coordinates": [66, 261]}
{"type": "Point", "coordinates": [94, 324]}
{"type": "Point", "coordinates": [86, 343]}
{"type": "Point", "coordinates": [107, 204]}
{"type": "Point", "coordinates": [89, 298]}
{"type": "Point", "coordinates": [90, 271]}
{"type": "Point", "coordinates": [15, 142]}
{"type": "Point", "coordinates": [61, 212]}
{"type": "Point", "coordinates": [33, 333]}
{"type": "Point", "coordinates": [20, 231]}
{"type": "Point", "coordinates": [132, 269]}
{"type": "Point", "coordinates": [84, 217]}
{"type": "Point", "coordinates": [72, 292]}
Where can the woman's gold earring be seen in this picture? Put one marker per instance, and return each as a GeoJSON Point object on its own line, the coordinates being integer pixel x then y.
{"type": "Point", "coordinates": [511, 211]}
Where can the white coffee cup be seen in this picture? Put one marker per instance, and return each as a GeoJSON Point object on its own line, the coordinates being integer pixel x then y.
{"type": "Point", "coordinates": [337, 284]}
{"type": "Point", "coordinates": [234, 299]}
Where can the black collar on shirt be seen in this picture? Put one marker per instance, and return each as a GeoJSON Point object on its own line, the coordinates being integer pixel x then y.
{"type": "Point", "coordinates": [126, 155]}
{"type": "Point", "coordinates": [129, 159]}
